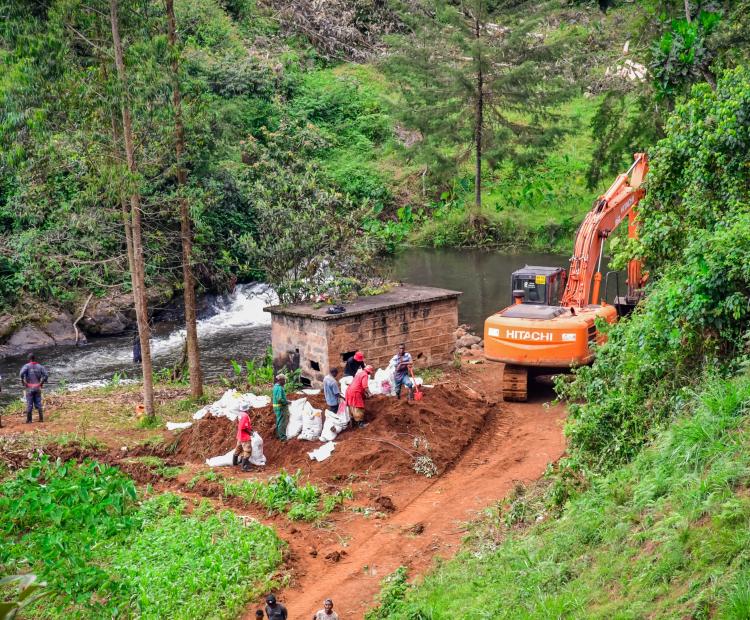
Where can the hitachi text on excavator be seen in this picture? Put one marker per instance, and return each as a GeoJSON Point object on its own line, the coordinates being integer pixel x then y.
{"type": "Point", "coordinates": [551, 323]}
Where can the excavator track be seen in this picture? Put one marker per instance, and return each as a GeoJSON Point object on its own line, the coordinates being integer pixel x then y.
{"type": "Point", "coordinates": [515, 383]}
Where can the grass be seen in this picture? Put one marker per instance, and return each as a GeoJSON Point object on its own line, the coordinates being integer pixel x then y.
{"type": "Point", "coordinates": [105, 551]}
{"type": "Point", "coordinates": [157, 466]}
{"type": "Point", "coordinates": [280, 494]}
{"type": "Point", "coordinates": [664, 537]}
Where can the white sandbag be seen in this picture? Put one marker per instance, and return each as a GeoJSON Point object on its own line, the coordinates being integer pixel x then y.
{"type": "Point", "coordinates": [312, 424]}
{"type": "Point", "coordinates": [256, 401]}
{"type": "Point", "coordinates": [297, 409]}
{"type": "Point", "coordinates": [322, 453]}
{"type": "Point", "coordinates": [311, 391]}
{"type": "Point", "coordinates": [221, 461]}
{"type": "Point", "coordinates": [344, 383]}
{"type": "Point", "coordinates": [232, 404]}
{"type": "Point", "coordinates": [256, 456]}
{"type": "Point", "coordinates": [333, 425]}
{"type": "Point", "coordinates": [176, 426]}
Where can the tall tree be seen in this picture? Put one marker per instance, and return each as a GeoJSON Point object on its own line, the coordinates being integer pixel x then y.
{"type": "Point", "coordinates": [139, 266]}
{"type": "Point", "coordinates": [475, 86]}
{"type": "Point", "coordinates": [186, 233]}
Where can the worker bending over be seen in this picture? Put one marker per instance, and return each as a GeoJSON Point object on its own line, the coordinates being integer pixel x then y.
{"type": "Point", "coordinates": [280, 406]}
{"type": "Point", "coordinates": [356, 394]}
{"type": "Point", "coordinates": [33, 377]}
{"type": "Point", "coordinates": [244, 440]}
{"type": "Point", "coordinates": [402, 362]}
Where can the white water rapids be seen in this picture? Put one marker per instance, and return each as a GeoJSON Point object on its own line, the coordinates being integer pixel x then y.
{"type": "Point", "coordinates": [234, 327]}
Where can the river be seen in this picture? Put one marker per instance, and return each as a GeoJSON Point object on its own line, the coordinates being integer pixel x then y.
{"type": "Point", "coordinates": [235, 326]}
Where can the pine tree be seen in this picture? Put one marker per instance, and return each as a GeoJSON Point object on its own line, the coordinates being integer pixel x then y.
{"type": "Point", "coordinates": [475, 87]}
{"type": "Point", "coordinates": [186, 234]}
{"type": "Point", "coordinates": [136, 225]}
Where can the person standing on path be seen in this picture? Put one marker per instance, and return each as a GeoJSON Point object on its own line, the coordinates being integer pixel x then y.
{"type": "Point", "coordinates": [327, 612]}
{"type": "Point", "coordinates": [355, 363]}
{"type": "Point", "coordinates": [331, 390]}
{"type": "Point", "coordinates": [402, 362]}
{"type": "Point", "coordinates": [244, 446]}
{"type": "Point", "coordinates": [33, 377]}
{"type": "Point", "coordinates": [356, 394]}
{"type": "Point", "coordinates": [274, 610]}
{"type": "Point", "coordinates": [280, 406]}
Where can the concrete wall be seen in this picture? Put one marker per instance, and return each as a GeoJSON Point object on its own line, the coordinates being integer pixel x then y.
{"type": "Point", "coordinates": [427, 328]}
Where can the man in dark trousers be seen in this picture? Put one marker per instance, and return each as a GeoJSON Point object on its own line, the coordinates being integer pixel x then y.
{"type": "Point", "coordinates": [33, 377]}
{"type": "Point", "coordinates": [274, 610]}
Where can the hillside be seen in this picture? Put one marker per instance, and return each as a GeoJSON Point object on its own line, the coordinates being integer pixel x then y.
{"type": "Point", "coordinates": [647, 516]}
{"type": "Point", "coordinates": [259, 78]}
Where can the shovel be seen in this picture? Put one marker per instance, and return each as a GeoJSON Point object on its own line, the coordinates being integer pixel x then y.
{"type": "Point", "coordinates": [417, 393]}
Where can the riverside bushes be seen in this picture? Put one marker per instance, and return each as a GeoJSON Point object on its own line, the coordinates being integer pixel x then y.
{"type": "Point", "coordinates": [104, 554]}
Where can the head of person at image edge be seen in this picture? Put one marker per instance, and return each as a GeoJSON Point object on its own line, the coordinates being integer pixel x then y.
{"type": "Point", "coordinates": [274, 610]}
{"type": "Point", "coordinates": [354, 363]}
{"type": "Point", "coordinates": [327, 612]}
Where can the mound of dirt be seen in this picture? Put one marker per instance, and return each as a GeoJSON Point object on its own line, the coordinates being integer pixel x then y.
{"type": "Point", "coordinates": [439, 426]}
{"type": "Point", "coordinates": [206, 438]}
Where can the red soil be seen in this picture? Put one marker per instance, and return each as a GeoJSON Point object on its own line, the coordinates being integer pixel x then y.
{"type": "Point", "coordinates": [443, 423]}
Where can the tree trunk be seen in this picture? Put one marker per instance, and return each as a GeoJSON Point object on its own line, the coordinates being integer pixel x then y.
{"type": "Point", "coordinates": [191, 329]}
{"type": "Point", "coordinates": [139, 267]}
{"type": "Point", "coordinates": [478, 127]}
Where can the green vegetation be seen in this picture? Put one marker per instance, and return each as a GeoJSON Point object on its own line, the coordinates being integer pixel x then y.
{"type": "Point", "coordinates": [103, 553]}
{"type": "Point", "coordinates": [259, 375]}
{"type": "Point", "coordinates": [666, 537]}
{"type": "Point", "coordinates": [280, 494]}
{"type": "Point", "coordinates": [648, 516]}
{"type": "Point", "coordinates": [695, 319]}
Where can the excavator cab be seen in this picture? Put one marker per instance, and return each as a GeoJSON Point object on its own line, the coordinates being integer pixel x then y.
{"type": "Point", "coordinates": [538, 285]}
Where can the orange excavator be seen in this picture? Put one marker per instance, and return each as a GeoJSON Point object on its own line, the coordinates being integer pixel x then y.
{"type": "Point", "coordinates": [551, 323]}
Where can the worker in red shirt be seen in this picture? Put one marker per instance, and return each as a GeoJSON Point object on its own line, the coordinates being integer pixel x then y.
{"type": "Point", "coordinates": [244, 445]}
{"type": "Point", "coordinates": [356, 394]}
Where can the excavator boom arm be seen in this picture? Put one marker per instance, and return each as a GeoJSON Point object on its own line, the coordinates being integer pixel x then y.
{"type": "Point", "coordinates": [610, 209]}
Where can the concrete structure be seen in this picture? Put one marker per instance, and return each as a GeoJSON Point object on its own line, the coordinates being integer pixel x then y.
{"type": "Point", "coordinates": [423, 317]}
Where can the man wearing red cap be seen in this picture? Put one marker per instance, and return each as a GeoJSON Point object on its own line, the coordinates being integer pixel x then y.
{"type": "Point", "coordinates": [354, 363]}
{"type": "Point", "coordinates": [356, 394]}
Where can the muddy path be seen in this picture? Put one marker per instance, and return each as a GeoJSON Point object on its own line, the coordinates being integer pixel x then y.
{"type": "Point", "coordinates": [481, 447]}
{"type": "Point", "coordinates": [348, 562]}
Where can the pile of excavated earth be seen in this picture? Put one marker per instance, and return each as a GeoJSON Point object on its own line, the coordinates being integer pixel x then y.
{"type": "Point", "coordinates": [439, 427]}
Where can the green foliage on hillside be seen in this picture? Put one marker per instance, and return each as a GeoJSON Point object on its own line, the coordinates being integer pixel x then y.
{"type": "Point", "coordinates": [696, 241]}
{"type": "Point", "coordinates": [104, 553]}
{"type": "Point", "coordinates": [664, 537]}
{"type": "Point", "coordinates": [268, 127]}
{"type": "Point", "coordinates": [652, 499]}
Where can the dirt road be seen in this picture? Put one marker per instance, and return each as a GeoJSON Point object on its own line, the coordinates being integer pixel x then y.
{"type": "Point", "coordinates": [517, 444]}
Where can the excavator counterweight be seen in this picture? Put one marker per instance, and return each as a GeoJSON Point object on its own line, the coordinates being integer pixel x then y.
{"type": "Point", "coordinates": [551, 324]}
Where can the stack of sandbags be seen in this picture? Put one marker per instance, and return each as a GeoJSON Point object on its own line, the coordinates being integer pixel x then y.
{"type": "Point", "coordinates": [334, 424]}
{"type": "Point", "coordinates": [231, 404]}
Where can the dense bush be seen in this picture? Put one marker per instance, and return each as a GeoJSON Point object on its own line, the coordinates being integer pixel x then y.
{"type": "Point", "coordinates": [696, 242]}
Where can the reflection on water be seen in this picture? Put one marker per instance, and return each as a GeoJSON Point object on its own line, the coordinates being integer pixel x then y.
{"type": "Point", "coordinates": [483, 276]}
